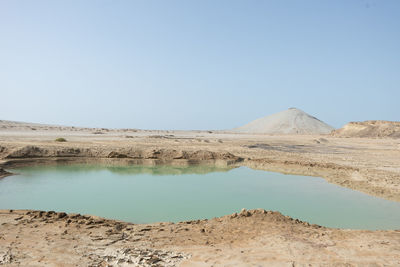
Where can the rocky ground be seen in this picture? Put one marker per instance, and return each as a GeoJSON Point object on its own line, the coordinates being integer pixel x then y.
{"type": "Point", "coordinates": [250, 238]}
{"type": "Point", "coordinates": [256, 238]}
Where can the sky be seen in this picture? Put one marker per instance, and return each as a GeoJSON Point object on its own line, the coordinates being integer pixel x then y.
{"type": "Point", "coordinates": [197, 64]}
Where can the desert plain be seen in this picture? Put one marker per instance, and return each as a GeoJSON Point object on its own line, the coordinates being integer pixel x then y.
{"type": "Point", "coordinates": [246, 238]}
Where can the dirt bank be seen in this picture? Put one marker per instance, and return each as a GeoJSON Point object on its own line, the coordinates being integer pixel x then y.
{"type": "Point", "coordinates": [250, 238]}
{"type": "Point", "coordinates": [368, 165]}
{"type": "Point", "coordinates": [4, 173]}
{"type": "Point", "coordinates": [369, 129]}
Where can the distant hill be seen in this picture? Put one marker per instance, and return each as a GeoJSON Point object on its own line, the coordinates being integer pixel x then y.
{"type": "Point", "coordinates": [29, 126]}
{"type": "Point", "coordinates": [373, 129]}
{"type": "Point", "coordinates": [291, 121]}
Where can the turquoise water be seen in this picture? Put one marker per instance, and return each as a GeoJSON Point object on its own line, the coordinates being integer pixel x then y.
{"type": "Point", "coordinates": [143, 194]}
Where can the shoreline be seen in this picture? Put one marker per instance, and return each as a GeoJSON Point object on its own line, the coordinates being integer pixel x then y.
{"type": "Point", "coordinates": [240, 239]}
{"type": "Point", "coordinates": [256, 237]}
{"type": "Point", "coordinates": [341, 175]}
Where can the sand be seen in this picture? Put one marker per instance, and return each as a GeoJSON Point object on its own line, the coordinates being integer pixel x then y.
{"type": "Point", "coordinates": [291, 121]}
{"type": "Point", "coordinates": [257, 238]}
{"type": "Point", "coordinates": [249, 238]}
{"type": "Point", "coordinates": [369, 129]}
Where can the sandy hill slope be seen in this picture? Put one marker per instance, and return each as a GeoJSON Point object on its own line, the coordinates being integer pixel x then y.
{"type": "Point", "coordinates": [379, 129]}
{"type": "Point", "coordinates": [291, 121]}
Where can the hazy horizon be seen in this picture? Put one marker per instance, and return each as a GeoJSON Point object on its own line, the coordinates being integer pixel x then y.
{"type": "Point", "coordinates": [197, 65]}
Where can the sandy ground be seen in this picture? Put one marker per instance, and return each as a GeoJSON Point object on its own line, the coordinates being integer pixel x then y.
{"type": "Point", "coordinates": [250, 238]}
{"type": "Point", "coordinates": [255, 239]}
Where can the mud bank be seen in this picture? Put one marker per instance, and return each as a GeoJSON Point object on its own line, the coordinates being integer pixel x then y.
{"type": "Point", "coordinates": [374, 181]}
{"type": "Point", "coordinates": [4, 173]}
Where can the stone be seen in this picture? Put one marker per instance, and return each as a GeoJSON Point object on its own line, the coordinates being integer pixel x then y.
{"type": "Point", "coordinates": [61, 215]}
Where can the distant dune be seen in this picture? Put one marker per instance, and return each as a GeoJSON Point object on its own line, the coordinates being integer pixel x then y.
{"type": "Point", "coordinates": [291, 121]}
{"type": "Point", "coordinates": [373, 129]}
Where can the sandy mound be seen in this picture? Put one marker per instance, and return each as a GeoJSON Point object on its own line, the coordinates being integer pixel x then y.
{"type": "Point", "coordinates": [291, 121]}
{"type": "Point", "coordinates": [378, 129]}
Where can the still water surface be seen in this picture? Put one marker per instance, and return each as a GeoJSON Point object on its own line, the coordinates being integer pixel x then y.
{"type": "Point", "coordinates": [144, 194]}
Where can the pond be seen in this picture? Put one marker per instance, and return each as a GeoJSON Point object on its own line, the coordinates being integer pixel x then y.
{"type": "Point", "coordinates": [145, 194]}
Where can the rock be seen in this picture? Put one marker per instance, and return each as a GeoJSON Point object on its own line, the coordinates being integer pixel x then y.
{"type": "Point", "coordinates": [61, 215]}
{"type": "Point", "coordinates": [74, 215]}
{"type": "Point", "coordinates": [119, 227]}
{"type": "Point", "coordinates": [115, 154]}
{"type": "Point", "coordinates": [6, 257]}
{"type": "Point", "coordinates": [245, 213]}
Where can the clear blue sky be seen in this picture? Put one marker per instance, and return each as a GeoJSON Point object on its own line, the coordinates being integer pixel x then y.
{"type": "Point", "coordinates": [197, 64]}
